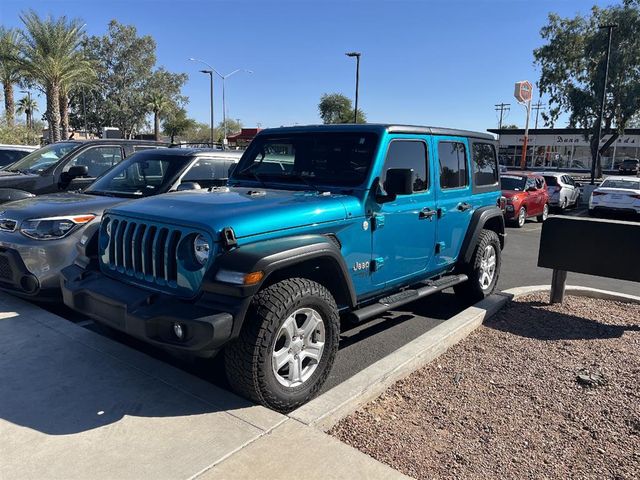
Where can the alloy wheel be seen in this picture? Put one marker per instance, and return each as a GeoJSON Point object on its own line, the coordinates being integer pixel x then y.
{"type": "Point", "coordinates": [298, 348]}
{"type": "Point", "coordinates": [487, 267]}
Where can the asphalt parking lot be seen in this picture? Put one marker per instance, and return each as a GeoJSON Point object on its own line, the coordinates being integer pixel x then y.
{"type": "Point", "coordinates": [362, 345]}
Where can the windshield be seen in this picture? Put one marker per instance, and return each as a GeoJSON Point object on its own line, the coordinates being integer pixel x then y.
{"type": "Point", "coordinates": [513, 183]}
{"type": "Point", "coordinates": [313, 158]}
{"type": "Point", "coordinates": [629, 184]}
{"type": "Point", "coordinates": [630, 163]}
{"type": "Point", "coordinates": [43, 158]}
{"type": "Point", "coordinates": [141, 175]}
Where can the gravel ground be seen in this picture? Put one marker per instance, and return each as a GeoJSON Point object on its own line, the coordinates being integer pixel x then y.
{"type": "Point", "coordinates": [539, 391]}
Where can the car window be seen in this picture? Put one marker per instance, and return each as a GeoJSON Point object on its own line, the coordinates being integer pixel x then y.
{"type": "Point", "coordinates": [551, 180]}
{"type": "Point", "coordinates": [7, 157]}
{"type": "Point", "coordinates": [530, 183]}
{"type": "Point", "coordinates": [539, 183]}
{"type": "Point", "coordinates": [453, 165]}
{"type": "Point", "coordinates": [410, 154]}
{"type": "Point", "coordinates": [485, 168]}
{"type": "Point", "coordinates": [44, 157]}
{"type": "Point", "coordinates": [97, 159]}
{"type": "Point", "coordinates": [621, 183]}
{"type": "Point", "coordinates": [208, 172]}
{"type": "Point", "coordinates": [512, 182]}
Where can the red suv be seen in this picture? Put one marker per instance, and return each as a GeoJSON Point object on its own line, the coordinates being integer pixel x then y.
{"type": "Point", "coordinates": [526, 195]}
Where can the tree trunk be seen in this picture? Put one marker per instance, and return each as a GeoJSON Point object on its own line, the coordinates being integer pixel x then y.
{"type": "Point", "coordinates": [9, 105]}
{"type": "Point", "coordinates": [64, 115]}
{"type": "Point", "coordinates": [53, 112]}
{"type": "Point", "coordinates": [156, 126]}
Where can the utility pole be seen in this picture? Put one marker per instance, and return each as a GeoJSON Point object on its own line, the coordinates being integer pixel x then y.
{"type": "Point", "coordinates": [537, 107]}
{"type": "Point", "coordinates": [597, 156]}
{"type": "Point", "coordinates": [502, 108]}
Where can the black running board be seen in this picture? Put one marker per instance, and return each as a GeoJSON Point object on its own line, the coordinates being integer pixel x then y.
{"type": "Point", "coordinates": [406, 296]}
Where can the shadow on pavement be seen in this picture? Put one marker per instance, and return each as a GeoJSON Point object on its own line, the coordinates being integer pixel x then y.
{"type": "Point", "coordinates": [528, 319]}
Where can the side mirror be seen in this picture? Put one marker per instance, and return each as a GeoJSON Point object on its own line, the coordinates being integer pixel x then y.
{"type": "Point", "coordinates": [78, 171]}
{"type": "Point", "coordinates": [578, 184]}
{"type": "Point", "coordinates": [188, 186]}
{"type": "Point", "coordinates": [399, 181]}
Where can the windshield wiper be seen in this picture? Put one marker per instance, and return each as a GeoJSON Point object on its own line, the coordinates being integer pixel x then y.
{"type": "Point", "coordinates": [254, 174]}
{"type": "Point", "coordinates": [303, 178]}
{"type": "Point", "coordinates": [99, 193]}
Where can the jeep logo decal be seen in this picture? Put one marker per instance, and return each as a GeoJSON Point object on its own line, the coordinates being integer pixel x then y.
{"type": "Point", "coordinates": [358, 266]}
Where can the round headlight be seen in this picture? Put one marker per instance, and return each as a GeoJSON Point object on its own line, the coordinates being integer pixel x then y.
{"type": "Point", "coordinates": [201, 249]}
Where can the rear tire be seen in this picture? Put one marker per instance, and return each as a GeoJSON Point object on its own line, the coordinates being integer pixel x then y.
{"type": "Point", "coordinates": [483, 270]}
{"type": "Point", "coordinates": [545, 213]}
{"type": "Point", "coordinates": [293, 323]}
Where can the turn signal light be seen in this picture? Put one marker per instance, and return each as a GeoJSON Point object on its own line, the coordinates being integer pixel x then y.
{"type": "Point", "coordinates": [253, 278]}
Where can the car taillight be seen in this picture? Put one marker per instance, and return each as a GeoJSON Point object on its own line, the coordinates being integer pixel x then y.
{"type": "Point", "coordinates": [557, 189]}
{"type": "Point", "coordinates": [595, 194]}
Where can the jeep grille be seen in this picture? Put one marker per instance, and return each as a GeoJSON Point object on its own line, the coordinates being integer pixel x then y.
{"type": "Point", "coordinates": [151, 254]}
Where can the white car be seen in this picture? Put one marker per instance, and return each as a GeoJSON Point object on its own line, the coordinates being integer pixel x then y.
{"type": "Point", "coordinates": [563, 190]}
{"type": "Point", "coordinates": [616, 194]}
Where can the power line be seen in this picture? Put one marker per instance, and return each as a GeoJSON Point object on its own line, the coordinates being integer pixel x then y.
{"type": "Point", "coordinates": [502, 108]}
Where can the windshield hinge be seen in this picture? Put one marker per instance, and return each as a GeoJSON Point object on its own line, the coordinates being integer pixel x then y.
{"type": "Point", "coordinates": [228, 238]}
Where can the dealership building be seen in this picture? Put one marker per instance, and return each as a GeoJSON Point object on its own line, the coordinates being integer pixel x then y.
{"type": "Point", "coordinates": [565, 148]}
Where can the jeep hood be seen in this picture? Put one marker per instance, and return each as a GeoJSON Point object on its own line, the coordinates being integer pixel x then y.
{"type": "Point", "coordinates": [56, 205]}
{"type": "Point", "coordinates": [247, 211]}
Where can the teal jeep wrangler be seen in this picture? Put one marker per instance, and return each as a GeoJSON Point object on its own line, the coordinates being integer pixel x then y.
{"type": "Point", "coordinates": [319, 224]}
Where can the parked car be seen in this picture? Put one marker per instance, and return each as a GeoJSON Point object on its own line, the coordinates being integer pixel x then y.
{"type": "Point", "coordinates": [38, 235]}
{"type": "Point", "coordinates": [629, 166]}
{"type": "Point", "coordinates": [66, 165]}
{"type": "Point", "coordinates": [616, 195]}
{"type": "Point", "coordinates": [527, 197]}
{"type": "Point", "coordinates": [563, 190]}
{"type": "Point", "coordinates": [317, 222]}
{"type": "Point", "coordinates": [12, 153]}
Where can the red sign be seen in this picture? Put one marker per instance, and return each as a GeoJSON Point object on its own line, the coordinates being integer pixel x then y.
{"type": "Point", "coordinates": [523, 91]}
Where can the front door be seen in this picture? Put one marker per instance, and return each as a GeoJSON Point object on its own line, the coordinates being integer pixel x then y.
{"type": "Point", "coordinates": [97, 159]}
{"type": "Point", "coordinates": [403, 230]}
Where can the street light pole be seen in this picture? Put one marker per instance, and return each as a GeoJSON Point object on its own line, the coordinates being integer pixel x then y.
{"type": "Point", "coordinates": [210, 73]}
{"type": "Point", "coordinates": [357, 56]}
{"type": "Point", "coordinates": [597, 157]}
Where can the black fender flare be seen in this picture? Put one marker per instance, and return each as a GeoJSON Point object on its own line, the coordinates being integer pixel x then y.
{"type": "Point", "coordinates": [271, 256]}
{"type": "Point", "coordinates": [11, 194]}
{"type": "Point", "coordinates": [479, 219]}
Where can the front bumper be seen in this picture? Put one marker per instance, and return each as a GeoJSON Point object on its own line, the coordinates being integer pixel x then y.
{"type": "Point", "coordinates": [207, 322]}
{"type": "Point", "coordinates": [14, 275]}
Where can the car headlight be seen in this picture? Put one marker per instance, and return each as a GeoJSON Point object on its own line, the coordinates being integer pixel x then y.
{"type": "Point", "coordinates": [53, 227]}
{"type": "Point", "coordinates": [201, 249]}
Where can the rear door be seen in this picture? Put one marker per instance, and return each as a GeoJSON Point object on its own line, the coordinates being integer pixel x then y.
{"type": "Point", "coordinates": [454, 196]}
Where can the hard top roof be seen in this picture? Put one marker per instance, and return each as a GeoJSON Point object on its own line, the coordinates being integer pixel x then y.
{"type": "Point", "coordinates": [378, 128]}
{"type": "Point", "coordinates": [190, 152]}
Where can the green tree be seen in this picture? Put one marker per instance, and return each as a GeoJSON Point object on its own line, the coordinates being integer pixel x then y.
{"type": "Point", "coordinates": [124, 63]}
{"type": "Point", "coordinates": [233, 127]}
{"type": "Point", "coordinates": [27, 106]}
{"type": "Point", "coordinates": [51, 56]}
{"type": "Point", "coordinates": [572, 63]}
{"type": "Point", "coordinates": [177, 124]}
{"type": "Point", "coordinates": [10, 71]}
{"type": "Point", "coordinates": [164, 95]}
{"type": "Point", "coordinates": [337, 108]}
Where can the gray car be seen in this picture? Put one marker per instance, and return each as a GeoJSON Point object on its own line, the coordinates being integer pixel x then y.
{"type": "Point", "coordinates": [38, 235]}
{"type": "Point", "coordinates": [563, 190]}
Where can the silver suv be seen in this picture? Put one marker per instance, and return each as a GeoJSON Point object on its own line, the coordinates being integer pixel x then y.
{"type": "Point", "coordinates": [563, 190]}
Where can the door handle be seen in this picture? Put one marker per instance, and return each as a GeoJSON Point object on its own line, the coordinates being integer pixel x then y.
{"type": "Point", "coordinates": [427, 213]}
{"type": "Point", "coordinates": [464, 206]}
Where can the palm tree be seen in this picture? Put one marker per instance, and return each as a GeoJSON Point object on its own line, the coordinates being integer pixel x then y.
{"type": "Point", "coordinates": [158, 103]}
{"type": "Point", "coordinates": [10, 71]}
{"type": "Point", "coordinates": [52, 56]}
{"type": "Point", "coordinates": [28, 106]}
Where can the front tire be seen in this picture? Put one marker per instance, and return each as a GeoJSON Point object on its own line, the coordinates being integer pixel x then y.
{"type": "Point", "coordinates": [483, 270]}
{"type": "Point", "coordinates": [545, 213]}
{"type": "Point", "coordinates": [521, 219]}
{"type": "Point", "coordinates": [287, 345]}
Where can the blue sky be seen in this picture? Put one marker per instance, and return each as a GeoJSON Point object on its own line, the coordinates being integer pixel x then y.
{"type": "Point", "coordinates": [427, 62]}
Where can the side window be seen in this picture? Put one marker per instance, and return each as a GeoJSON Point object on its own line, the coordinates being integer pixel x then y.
{"type": "Point", "coordinates": [208, 172]}
{"type": "Point", "coordinates": [97, 159]}
{"type": "Point", "coordinates": [485, 167]}
{"type": "Point", "coordinates": [530, 183]}
{"type": "Point", "coordinates": [539, 183]}
{"type": "Point", "coordinates": [408, 154]}
{"type": "Point", "coordinates": [453, 165]}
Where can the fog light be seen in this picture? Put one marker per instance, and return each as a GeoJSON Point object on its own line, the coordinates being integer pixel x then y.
{"type": "Point", "coordinates": [178, 330]}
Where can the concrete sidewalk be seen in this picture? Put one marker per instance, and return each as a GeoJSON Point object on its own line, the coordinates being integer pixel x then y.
{"type": "Point", "coordinates": [74, 404]}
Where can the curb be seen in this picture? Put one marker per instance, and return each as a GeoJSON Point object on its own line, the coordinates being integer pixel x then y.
{"type": "Point", "coordinates": [325, 411]}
